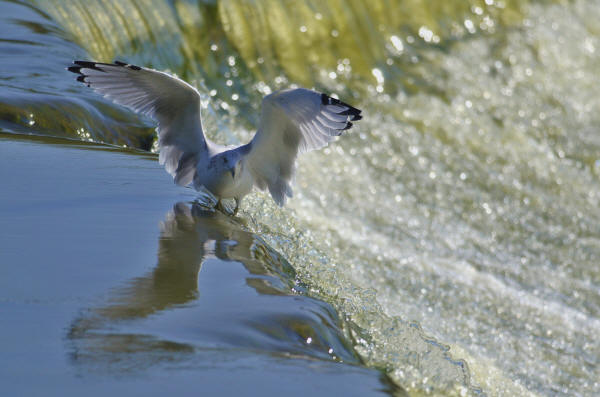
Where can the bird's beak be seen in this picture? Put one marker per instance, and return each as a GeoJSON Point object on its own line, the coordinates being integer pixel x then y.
{"type": "Point", "coordinates": [232, 170]}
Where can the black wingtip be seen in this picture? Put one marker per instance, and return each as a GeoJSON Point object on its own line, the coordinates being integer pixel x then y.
{"type": "Point", "coordinates": [351, 111]}
{"type": "Point", "coordinates": [348, 126]}
{"type": "Point", "coordinates": [85, 64]}
{"type": "Point", "coordinates": [88, 65]}
{"type": "Point", "coordinates": [98, 65]}
{"type": "Point", "coordinates": [127, 65]}
{"type": "Point", "coordinates": [78, 65]}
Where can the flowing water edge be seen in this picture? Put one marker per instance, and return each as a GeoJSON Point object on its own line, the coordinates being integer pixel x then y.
{"type": "Point", "coordinates": [449, 245]}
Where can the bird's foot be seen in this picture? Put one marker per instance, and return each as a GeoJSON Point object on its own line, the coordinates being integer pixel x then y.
{"type": "Point", "coordinates": [227, 208]}
{"type": "Point", "coordinates": [237, 206]}
{"type": "Point", "coordinates": [219, 206]}
{"type": "Point", "coordinates": [206, 199]}
{"type": "Point", "coordinates": [224, 208]}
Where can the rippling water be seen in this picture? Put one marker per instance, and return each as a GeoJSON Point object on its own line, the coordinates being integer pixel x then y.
{"type": "Point", "coordinates": [455, 231]}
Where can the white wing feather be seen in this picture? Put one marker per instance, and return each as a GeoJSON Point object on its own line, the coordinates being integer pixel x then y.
{"type": "Point", "coordinates": [293, 121]}
{"type": "Point", "coordinates": [171, 102]}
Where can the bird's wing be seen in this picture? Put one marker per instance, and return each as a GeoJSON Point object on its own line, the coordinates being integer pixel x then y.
{"type": "Point", "coordinates": [171, 102]}
{"type": "Point", "coordinates": [293, 121]}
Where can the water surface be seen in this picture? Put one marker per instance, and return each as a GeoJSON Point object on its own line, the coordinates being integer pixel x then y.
{"type": "Point", "coordinates": [106, 288]}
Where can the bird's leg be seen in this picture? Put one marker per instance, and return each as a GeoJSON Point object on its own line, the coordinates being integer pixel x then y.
{"type": "Point", "coordinates": [237, 206]}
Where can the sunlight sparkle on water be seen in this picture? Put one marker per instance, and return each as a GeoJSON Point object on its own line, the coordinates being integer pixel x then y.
{"type": "Point", "coordinates": [397, 43]}
{"type": "Point", "coordinates": [428, 35]}
{"type": "Point", "coordinates": [379, 77]}
{"type": "Point", "coordinates": [469, 25]}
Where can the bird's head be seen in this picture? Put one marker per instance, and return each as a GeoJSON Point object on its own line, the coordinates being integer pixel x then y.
{"type": "Point", "coordinates": [232, 164]}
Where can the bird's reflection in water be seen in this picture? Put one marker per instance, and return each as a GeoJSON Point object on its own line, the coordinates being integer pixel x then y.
{"type": "Point", "coordinates": [242, 298]}
{"type": "Point", "coordinates": [190, 235]}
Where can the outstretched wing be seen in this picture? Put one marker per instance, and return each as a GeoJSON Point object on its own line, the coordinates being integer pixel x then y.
{"type": "Point", "coordinates": [293, 121]}
{"type": "Point", "coordinates": [171, 102]}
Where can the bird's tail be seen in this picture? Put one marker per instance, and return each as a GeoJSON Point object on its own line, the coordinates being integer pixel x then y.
{"type": "Point", "coordinates": [280, 191]}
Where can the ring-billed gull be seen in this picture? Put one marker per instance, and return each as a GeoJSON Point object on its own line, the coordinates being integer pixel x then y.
{"type": "Point", "coordinates": [292, 121]}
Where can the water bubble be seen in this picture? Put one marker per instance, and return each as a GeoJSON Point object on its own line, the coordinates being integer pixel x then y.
{"type": "Point", "coordinates": [469, 25]}
{"type": "Point", "coordinates": [425, 33]}
{"type": "Point", "coordinates": [378, 75]}
{"type": "Point", "coordinates": [486, 208]}
{"type": "Point", "coordinates": [397, 43]}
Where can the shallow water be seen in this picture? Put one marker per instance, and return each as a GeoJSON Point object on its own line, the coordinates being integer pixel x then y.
{"type": "Point", "coordinates": [102, 280]}
{"type": "Point", "coordinates": [451, 240]}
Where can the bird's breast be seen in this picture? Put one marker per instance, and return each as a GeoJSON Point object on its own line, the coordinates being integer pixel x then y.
{"type": "Point", "coordinates": [240, 186]}
{"type": "Point", "coordinates": [222, 184]}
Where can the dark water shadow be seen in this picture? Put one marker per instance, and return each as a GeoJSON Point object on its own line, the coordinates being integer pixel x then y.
{"type": "Point", "coordinates": [216, 288]}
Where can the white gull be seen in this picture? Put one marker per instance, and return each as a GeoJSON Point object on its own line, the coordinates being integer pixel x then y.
{"type": "Point", "coordinates": [292, 121]}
